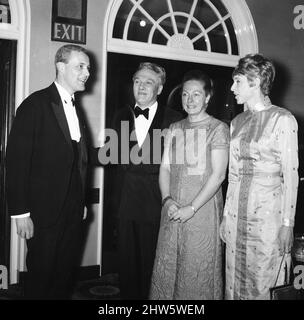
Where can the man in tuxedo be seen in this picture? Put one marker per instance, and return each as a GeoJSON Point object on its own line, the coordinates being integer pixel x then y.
{"type": "Point", "coordinates": [140, 203]}
{"type": "Point", "coordinates": [46, 170]}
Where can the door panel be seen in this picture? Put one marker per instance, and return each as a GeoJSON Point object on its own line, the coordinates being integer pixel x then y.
{"type": "Point", "coordinates": [7, 106]}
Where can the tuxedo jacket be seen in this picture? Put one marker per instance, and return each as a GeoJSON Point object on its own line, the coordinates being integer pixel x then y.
{"type": "Point", "coordinates": [40, 158]}
{"type": "Point", "coordinates": [140, 193]}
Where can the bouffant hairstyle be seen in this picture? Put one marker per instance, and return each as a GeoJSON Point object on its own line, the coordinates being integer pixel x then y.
{"type": "Point", "coordinates": [257, 66]}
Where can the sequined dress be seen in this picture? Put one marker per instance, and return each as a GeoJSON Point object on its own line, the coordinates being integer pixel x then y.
{"type": "Point", "coordinates": [261, 196]}
{"type": "Point", "coordinates": [188, 263]}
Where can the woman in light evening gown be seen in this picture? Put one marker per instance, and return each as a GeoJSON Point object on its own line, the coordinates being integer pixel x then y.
{"type": "Point", "coordinates": [188, 263]}
{"type": "Point", "coordinates": [262, 191]}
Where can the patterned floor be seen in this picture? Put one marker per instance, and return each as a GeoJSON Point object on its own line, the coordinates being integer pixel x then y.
{"type": "Point", "coordinates": [104, 288]}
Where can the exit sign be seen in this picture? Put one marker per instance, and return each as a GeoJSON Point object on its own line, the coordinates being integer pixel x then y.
{"type": "Point", "coordinates": [69, 21]}
{"type": "Point", "coordinates": [69, 32]}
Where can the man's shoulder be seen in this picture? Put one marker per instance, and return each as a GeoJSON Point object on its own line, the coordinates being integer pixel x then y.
{"type": "Point", "coordinates": [37, 95]}
{"type": "Point", "coordinates": [36, 98]}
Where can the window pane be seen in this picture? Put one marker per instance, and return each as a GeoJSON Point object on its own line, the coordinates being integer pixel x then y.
{"type": "Point", "coordinates": [167, 25]}
{"type": "Point", "coordinates": [156, 9]}
{"type": "Point", "coordinates": [181, 23]}
{"type": "Point", "coordinates": [5, 13]}
{"type": "Point", "coordinates": [200, 44]}
{"type": "Point", "coordinates": [233, 40]}
{"type": "Point", "coordinates": [121, 18]}
{"type": "Point", "coordinates": [220, 7]}
{"type": "Point", "coordinates": [159, 38]}
{"type": "Point", "coordinates": [218, 40]}
{"type": "Point", "coordinates": [194, 30]}
{"type": "Point", "coordinates": [205, 14]}
{"type": "Point", "coordinates": [182, 5]}
{"type": "Point", "coordinates": [139, 28]}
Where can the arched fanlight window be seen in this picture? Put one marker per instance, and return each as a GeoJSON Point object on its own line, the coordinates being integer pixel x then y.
{"type": "Point", "coordinates": [200, 25]}
{"type": "Point", "coordinates": [191, 30]}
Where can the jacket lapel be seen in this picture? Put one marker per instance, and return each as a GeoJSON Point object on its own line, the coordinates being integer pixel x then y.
{"type": "Point", "coordinates": [59, 113]}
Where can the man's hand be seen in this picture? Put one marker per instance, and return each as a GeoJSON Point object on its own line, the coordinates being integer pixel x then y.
{"type": "Point", "coordinates": [85, 213]}
{"type": "Point", "coordinates": [285, 238]}
{"type": "Point", "coordinates": [25, 227]}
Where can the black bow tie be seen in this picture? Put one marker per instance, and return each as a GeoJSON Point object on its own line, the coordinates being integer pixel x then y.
{"type": "Point", "coordinates": [138, 111]}
{"type": "Point", "coordinates": [73, 102]}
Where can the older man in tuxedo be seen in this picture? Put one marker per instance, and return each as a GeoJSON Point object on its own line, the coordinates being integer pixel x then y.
{"type": "Point", "coordinates": [46, 170]}
{"type": "Point", "coordinates": [140, 203]}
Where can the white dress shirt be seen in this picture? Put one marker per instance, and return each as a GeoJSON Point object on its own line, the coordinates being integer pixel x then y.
{"type": "Point", "coordinates": [70, 112]}
{"type": "Point", "coordinates": [72, 120]}
{"type": "Point", "coordinates": [142, 124]}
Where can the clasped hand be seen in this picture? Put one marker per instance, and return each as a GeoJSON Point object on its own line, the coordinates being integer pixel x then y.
{"type": "Point", "coordinates": [177, 213]}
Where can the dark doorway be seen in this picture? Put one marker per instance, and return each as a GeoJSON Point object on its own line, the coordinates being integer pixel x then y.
{"type": "Point", "coordinates": [7, 106]}
{"type": "Point", "coordinates": [121, 68]}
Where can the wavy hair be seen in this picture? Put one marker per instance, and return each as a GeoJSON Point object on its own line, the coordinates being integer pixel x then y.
{"type": "Point", "coordinates": [257, 66]}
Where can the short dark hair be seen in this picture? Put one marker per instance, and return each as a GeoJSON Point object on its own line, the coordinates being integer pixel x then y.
{"type": "Point", "coordinates": [160, 71]}
{"type": "Point", "coordinates": [64, 52]}
{"type": "Point", "coordinates": [256, 66]}
{"type": "Point", "coordinates": [202, 77]}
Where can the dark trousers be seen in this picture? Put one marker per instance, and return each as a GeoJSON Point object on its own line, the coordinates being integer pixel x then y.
{"type": "Point", "coordinates": [51, 259]}
{"type": "Point", "coordinates": [136, 244]}
{"type": "Point", "coordinates": [54, 252]}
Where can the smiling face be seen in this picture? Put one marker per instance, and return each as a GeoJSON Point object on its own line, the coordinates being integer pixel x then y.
{"type": "Point", "coordinates": [194, 98]}
{"type": "Point", "coordinates": [146, 87]}
{"type": "Point", "coordinates": [243, 90]}
{"type": "Point", "coordinates": [74, 74]}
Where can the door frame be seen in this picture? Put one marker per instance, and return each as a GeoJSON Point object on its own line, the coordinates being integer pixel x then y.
{"type": "Point", "coordinates": [18, 29]}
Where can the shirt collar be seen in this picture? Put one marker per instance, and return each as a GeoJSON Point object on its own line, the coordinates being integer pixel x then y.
{"type": "Point", "coordinates": [64, 95]}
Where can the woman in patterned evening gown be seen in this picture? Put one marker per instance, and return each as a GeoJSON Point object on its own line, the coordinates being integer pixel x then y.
{"type": "Point", "coordinates": [262, 191]}
{"type": "Point", "coordinates": [188, 263]}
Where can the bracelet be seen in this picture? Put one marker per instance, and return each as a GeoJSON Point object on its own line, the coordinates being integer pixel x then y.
{"type": "Point", "coordinates": [287, 222]}
{"type": "Point", "coordinates": [165, 200]}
